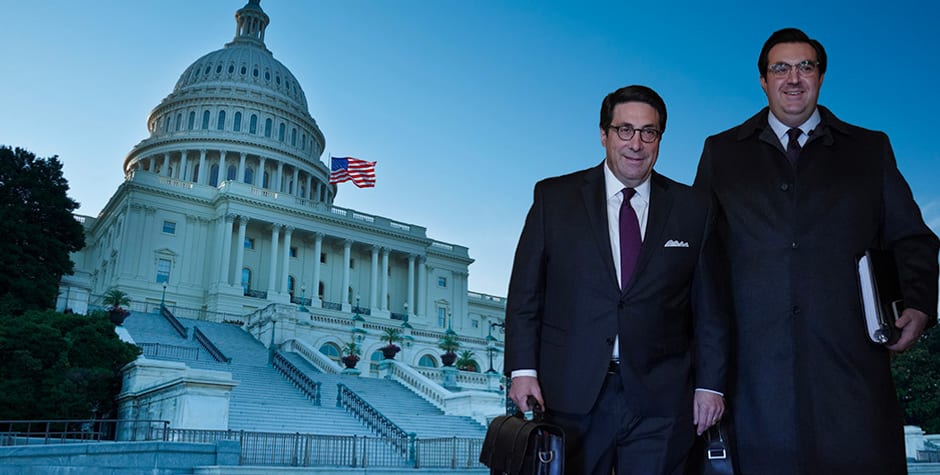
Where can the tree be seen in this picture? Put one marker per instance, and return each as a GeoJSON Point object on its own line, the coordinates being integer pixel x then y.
{"type": "Point", "coordinates": [466, 362]}
{"type": "Point", "coordinates": [38, 230]}
{"type": "Point", "coordinates": [917, 380]}
{"type": "Point", "coordinates": [60, 366]}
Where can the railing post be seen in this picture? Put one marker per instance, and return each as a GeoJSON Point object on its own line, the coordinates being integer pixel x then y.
{"type": "Point", "coordinates": [412, 452]}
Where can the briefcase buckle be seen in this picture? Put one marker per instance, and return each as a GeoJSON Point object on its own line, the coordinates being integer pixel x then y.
{"type": "Point", "coordinates": [717, 454]}
{"type": "Point", "coordinates": [546, 456]}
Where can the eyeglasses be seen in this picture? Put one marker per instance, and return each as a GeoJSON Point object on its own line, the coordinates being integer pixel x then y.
{"type": "Point", "coordinates": [803, 68]}
{"type": "Point", "coordinates": [626, 132]}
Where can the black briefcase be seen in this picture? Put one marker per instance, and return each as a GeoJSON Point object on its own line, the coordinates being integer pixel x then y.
{"type": "Point", "coordinates": [514, 445]}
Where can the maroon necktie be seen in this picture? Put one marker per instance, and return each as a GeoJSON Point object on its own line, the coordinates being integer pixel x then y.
{"type": "Point", "coordinates": [630, 240]}
{"type": "Point", "coordinates": [793, 145]}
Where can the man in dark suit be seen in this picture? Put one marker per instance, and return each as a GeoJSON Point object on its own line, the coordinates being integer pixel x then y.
{"type": "Point", "coordinates": [801, 195]}
{"type": "Point", "coordinates": [599, 319]}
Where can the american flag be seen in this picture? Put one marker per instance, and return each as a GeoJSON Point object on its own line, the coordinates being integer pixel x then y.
{"type": "Point", "coordinates": [361, 172]}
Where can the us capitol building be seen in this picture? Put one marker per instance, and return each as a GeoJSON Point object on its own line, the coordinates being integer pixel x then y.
{"type": "Point", "coordinates": [226, 214]}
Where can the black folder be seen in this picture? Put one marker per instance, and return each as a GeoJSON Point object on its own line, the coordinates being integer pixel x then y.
{"type": "Point", "coordinates": [882, 301]}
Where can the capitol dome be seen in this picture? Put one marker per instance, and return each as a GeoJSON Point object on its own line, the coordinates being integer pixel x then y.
{"type": "Point", "coordinates": [237, 113]}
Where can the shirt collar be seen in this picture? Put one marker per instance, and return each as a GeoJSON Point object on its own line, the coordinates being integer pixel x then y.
{"type": "Point", "coordinates": [781, 130]}
{"type": "Point", "coordinates": [613, 186]}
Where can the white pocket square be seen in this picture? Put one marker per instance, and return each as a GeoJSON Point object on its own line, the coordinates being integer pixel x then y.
{"type": "Point", "coordinates": [674, 243]}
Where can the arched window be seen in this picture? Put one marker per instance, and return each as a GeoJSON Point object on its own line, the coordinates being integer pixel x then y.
{"type": "Point", "coordinates": [303, 142]}
{"type": "Point", "coordinates": [253, 124]}
{"type": "Point", "coordinates": [196, 172]}
{"type": "Point", "coordinates": [221, 123]}
{"type": "Point", "coordinates": [205, 120]}
{"type": "Point", "coordinates": [374, 360]}
{"type": "Point", "coordinates": [166, 124]}
{"type": "Point", "coordinates": [192, 120]}
{"type": "Point", "coordinates": [264, 180]}
{"type": "Point", "coordinates": [267, 128]}
{"type": "Point", "coordinates": [214, 175]}
{"type": "Point", "coordinates": [179, 121]}
{"type": "Point", "coordinates": [250, 175]}
{"type": "Point", "coordinates": [237, 126]}
{"type": "Point", "coordinates": [331, 351]}
{"type": "Point", "coordinates": [293, 137]}
{"type": "Point", "coordinates": [280, 132]}
{"type": "Point", "coordinates": [232, 172]}
{"type": "Point", "coordinates": [246, 280]}
{"type": "Point", "coordinates": [427, 361]}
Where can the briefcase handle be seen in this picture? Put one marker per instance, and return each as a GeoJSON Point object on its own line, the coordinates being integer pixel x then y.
{"type": "Point", "coordinates": [537, 414]}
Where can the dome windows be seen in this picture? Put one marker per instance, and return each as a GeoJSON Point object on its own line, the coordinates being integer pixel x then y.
{"type": "Point", "coordinates": [253, 124]}
{"type": "Point", "coordinates": [237, 126]}
{"type": "Point", "coordinates": [208, 70]}
{"type": "Point", "coordinates": [231, 68]}
{"type": "Point", "coordinates": [267, 128]}
{"type": "Point", "coordinates": [205, 120]}
{"type": "Point", "coordinates": [218, 69]}
{"type": "Point", "coordinates": [255, 72]}
{"type": "Point", "coordinates": [280, 132]}
{"type": "Point", "coordinates": [221, 123]}
{"type": "Point", "coordinates": [243, 70]}
{"type": "Point", "coordinates": [267, 75]}
{"type": "Point", "coordinates": [192, 120]}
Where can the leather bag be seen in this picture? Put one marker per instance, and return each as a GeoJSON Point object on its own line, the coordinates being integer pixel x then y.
{"type": "Point", "coordinates": [516, 446]}
{"type": "Point", "coordinates": [717, 457]}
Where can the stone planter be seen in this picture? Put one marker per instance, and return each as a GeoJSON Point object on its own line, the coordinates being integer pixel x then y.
{"type": "Point", "coordinates": [447, 359]}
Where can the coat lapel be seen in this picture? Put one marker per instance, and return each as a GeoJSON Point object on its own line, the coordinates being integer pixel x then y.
{"type": "Point", "coordinates": [595, 205]}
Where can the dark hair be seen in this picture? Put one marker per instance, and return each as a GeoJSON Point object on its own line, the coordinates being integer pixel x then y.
{"type": "Point", "coordinates": [633, 93]}
{"type": "Point", "coordinates": [790, 35]}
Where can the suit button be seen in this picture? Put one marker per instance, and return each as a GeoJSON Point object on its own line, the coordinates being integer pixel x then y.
{"type": "Point", "coordinates": [794, 245]}
{"type": "Point", "coordinates": [785, 187]}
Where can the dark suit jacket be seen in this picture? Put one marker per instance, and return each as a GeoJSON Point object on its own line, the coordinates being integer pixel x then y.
{"type": "Point", "coordinates": [809, 393]}
{"type": "Point", "coordinates": [565, 305]}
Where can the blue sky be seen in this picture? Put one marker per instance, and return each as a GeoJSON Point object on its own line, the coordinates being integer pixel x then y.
{"type": "Point", "coordinates": [464, 104]}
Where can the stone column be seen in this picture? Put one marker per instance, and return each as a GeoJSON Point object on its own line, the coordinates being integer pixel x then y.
{"type": "Point", "coordinates": [201, 179]}
{"type": "Point", "coordinates": [422, 286]}
{"type": "Point", "coordinates": [383, 299]}
{"type": "Point", "coordinates": [240, 174]}
{"type": "Point", "coordinates": [222, 174]}
{"type": "Point", "coordinates": [166, 164]}
{"type": "Point", "coordinates": [240, 253]}
{"type": "Point", "coordinates": [347, 248]}
{"type": "Point", "coordinates": [296, 178]}
{"type": "Point", "coordinates": [183, 164]}
{"type": "Point", "coordinates": [259, 179]}
{"type": "Point", "coordinates": [374, 278]}
{"type": "Point", "coordinates": [309, 184]}
{"type": "Point", "coordinates": [280, 177]}
{"type": "Point", "coordinates": [411, 283]}
{"type": "Point", "coordinates": [317, 250]}
{"type": "Point", "coordinates": [285, 271]}
{"type": "Point", "coordinates": [227, 221]}
{"type": "Point", "coordinates": [272, 274]}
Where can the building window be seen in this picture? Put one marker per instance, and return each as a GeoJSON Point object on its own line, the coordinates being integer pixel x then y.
{"type": "Point", "coordinates": [290, 285]}
{"type": "Point", "coordinates": [427, 361]}
{"type": "Point", "coordinates": [205, 120]}
{"type": "Point", "coordinates": [253, 124]}
{"type": "Point", "coordinates": [267, 128]}
{"type": "Point", "coordinates": [323, 258]}
{"type": "Point", "coordinates": [169, 227]}
{"type": "Point", "coordinates": [352, 262]}
{"type": "Point", "coordinates": [232, 172]}
{"type": "Point", "coordinates": [264, 180]}
{"type": "Point", "coordinates": [246, 280]}
{"type": "Point", "coordinates": [250, 175]}
{"type": "Point", "coordinates": [331, 351]}
{"type": "Point", "coordinates": [214, 175]}
{"type": "Point", "coordinates": [192, 120]}
{"type": "Point", "coordinates": [475, 323]}
{"type": "Point", "coordinates": [179, 121]}
{"type": "Point", "coordinates": [237, 126]}
{"type": "Point", "coordinates": [163, 270]}
{"type": "Point", "coordinates": [442, 282]}
{"type": "Point", "coordinates": [249, 243]}
{"type": "Point", "coordinates": [293, 251]}
{"type": "Point", "coordinates": [293, 137]}
{"type": "Point", "coordinates": [441, 317]}
{"type": "Point", "coordinates": [303, 142]}
{"type": "Point", "coordinates": [166, 124]}
{"type": "Point", "coordinates": [320, 288]}
{"type": "Point", "coordinates": [280, 132]}
{"type": "Point", "coordinates": [221, 124]}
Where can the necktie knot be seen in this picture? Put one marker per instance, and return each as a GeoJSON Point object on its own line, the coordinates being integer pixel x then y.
{"type": "Point", "coordinates": [793, 145]}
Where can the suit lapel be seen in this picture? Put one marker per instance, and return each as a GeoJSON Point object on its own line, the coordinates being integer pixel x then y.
{"type": "Point", "coordinates": [660, 205]}
{"type": "Point", "coordinates": [595, 206]}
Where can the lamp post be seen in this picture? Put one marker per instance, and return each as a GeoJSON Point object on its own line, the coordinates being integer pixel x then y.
{"type": "Point", "coordinates": [491, 344]}
{"type": "Point", "coordinates": [163, 297]}
{"type": "Point", "coordinates": [405, 324]}
{"type": "Point", "coordinates": [303, 293]}
{"type": "Point", "coordinates": [356, 316]}
{"type": "Point", "coordinates": [271, 345]}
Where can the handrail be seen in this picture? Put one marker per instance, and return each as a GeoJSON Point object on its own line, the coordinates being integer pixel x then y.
{"type": "Point", "coordinates": [346, 398]}
{"type": "Point", "coordinates": [21, 432]}
{"type": "Point", "coordinates": [210, 347]}
{"type": "Point", "coordinates": [301, 380]}
{"type": "Point", "coordinates": [174, 322]}
{"type": "Point", "coordinates": [152, 350]}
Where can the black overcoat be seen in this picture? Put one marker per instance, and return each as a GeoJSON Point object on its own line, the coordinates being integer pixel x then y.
{"type": "Point", "coordinates": [809, 393]}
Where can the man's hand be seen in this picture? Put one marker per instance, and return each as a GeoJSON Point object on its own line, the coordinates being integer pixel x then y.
{"type": "Point", "coordinates": [912, 323]}
{"type": "Point", "coordinates": [707, 409]}
{"type": "Point", "coordinates": [523, 387]}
